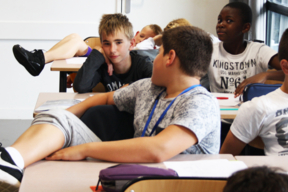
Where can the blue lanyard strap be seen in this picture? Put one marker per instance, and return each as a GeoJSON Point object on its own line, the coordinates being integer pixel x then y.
{"type": "Point", "coordinates": [164, 112]}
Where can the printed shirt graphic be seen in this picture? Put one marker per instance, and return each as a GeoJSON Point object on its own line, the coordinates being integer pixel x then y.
{"type": "Point", "coordinates": [197, 110]}
{"type": "Point", "coordinates": [267, 117]}
{"type": "Point", "coordinates": [227, 71]}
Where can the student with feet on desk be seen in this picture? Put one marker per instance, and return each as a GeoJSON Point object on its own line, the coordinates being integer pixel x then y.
{"type": "Point", "coordinates": [116, 35]}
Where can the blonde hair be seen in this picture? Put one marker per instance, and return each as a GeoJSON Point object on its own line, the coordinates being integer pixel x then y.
{"type": "Point", "coordinates": [111, 23]}
{"type": "Point", "coordinates": [155, 28]}
{"type": "Point", "coordinates": [177, 23]}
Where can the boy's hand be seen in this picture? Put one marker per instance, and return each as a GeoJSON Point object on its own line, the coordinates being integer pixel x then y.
{"type": "Point", "coordinates": [259, 78]}
{"type": "Point", "coordinates": [71, 153]}
{"type": "Point", "coordinates": [109, 64]}
{"type": "Point", "coordinates": [158, 40]}
{"type": "Point", "coordinates": [124, 86]}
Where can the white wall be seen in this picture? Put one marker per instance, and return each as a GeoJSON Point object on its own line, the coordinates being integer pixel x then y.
{"type": "Point", "coordinates": [200, 13]}
{"type": "Point", "coordinates": [41, 24]}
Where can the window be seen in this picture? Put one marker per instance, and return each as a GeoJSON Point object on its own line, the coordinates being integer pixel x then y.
{"type": "Point", "coordinates": [277, 21]}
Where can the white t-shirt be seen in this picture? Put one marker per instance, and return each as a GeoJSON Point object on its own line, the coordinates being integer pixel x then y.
{"type": "Point", "coordinates": [197, 110]}
{"type": "Point", "coordinates": [227, 71]}
{"type": "Point", "coordinates": [146, 44]}
{"type": "Point", "coordinates": [267, 117]}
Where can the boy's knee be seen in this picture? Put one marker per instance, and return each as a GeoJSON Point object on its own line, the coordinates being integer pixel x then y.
{"type": "Point", "coordinates": [74, 37]}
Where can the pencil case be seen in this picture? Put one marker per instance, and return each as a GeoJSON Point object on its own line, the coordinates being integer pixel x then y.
{"type": "Point", "coordinates": [257, 90]}
{"type": "Point", "coordinates": [114, 178]}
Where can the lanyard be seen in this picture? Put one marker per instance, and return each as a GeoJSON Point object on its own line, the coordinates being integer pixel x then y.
{"type": "Point", "coordinates": [164, 112]}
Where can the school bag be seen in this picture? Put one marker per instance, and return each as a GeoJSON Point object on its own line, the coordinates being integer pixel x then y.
{"type": "Point", "coordinates": [114, 178]}
{"type": "Point", "coordinates": [257, 90]}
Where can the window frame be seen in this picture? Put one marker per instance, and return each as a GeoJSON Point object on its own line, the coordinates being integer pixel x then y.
{"type": "Point", "coordinates": [276, 8]}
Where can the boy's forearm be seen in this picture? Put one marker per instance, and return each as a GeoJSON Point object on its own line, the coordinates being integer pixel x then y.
{"type": "Point", "coordinates": [275, 75]}
{"type": "Point", "coordinates": [88, 75]}
{"type": "Point", "coordinates": [131, 150]}
{"type": "Point", "coordinates": [170, 142]}
{"type": "Point", "coordinates": [98, 99]}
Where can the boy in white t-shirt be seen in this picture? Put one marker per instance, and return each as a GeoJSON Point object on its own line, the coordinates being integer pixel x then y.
{"type": "Point", "coordinates": [265, 116]}
{"type": "Point", "coordinates": [236, 62]}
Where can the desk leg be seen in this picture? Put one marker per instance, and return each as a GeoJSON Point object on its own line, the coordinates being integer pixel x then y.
{"type": "Point", "coordinates": [63, 79]}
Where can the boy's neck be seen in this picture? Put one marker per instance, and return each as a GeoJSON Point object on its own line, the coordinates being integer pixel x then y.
{"type": "Point", "coordinates": [124, 66]}
{"type": "Point", "coordinates": [235, 47]}
{"type": "Point", "coordinates": [174, 88]}
{"type": "Point", "coordinates": [284, 86]}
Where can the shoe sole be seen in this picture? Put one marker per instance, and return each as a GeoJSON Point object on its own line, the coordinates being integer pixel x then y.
{"type": "Point", "coordinates": [20, 57]}
{"type": "Point", "coordinates": [8, 183]}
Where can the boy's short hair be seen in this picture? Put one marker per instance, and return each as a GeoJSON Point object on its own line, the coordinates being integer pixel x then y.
{"type": "Point", "coordinates": [177, 23]}
{"type": "Point", "coordinates": [156, 29]}
{"type": "Point", "coordinates": [193, 47]}
{"type": "Point", "coordinates": [283, 46]}
{"type": "Point", "coordinates": [257, 179]}
{"type": "Point", "coordinates": [245, 11]}
{"type": "Point", "coordinates": [111, 23]}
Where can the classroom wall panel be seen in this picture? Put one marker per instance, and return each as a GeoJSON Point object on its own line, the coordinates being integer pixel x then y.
{"type": "Point", "coordinates": [200, 13]}
{"type": "Point", "coordinates": [53, 19]}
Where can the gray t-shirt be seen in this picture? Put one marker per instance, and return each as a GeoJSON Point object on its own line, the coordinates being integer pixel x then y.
{"type": "Point", "coordinates": [196, 110]}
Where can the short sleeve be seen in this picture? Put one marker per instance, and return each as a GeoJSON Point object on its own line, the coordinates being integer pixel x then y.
{"type": "Point", "coordinates": [146, 44]}
{"type": "Point", "coordinates": [200, 114]}
{"type": "Point", "coordinates": [265, 54]}
{"type": "Point", "coordinates": [125, 98]}
{"type": "Point", "coordinates": [248, 121]}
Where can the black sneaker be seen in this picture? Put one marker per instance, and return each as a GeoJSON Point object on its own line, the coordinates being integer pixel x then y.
{"type": "Point", "coordinates": [33, 61]}
{"type": "Point", "coordinates": [10, 174]}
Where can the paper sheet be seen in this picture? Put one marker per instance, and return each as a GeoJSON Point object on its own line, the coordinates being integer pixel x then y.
{"type": "Point", "coordinates": [57, 104]}
{"type": "Point", "coordinates": [76, 60]}
{"type": "Point", "coordinates": [230, 102]}
{"type": "Point", "coordinates": [218, 168]}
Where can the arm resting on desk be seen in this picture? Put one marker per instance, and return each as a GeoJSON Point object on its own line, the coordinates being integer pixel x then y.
{"type": "Point", "coordinates": [171, 141]}
{"type": "Point", "coordinates": [98, 99]}
{"type": "Point", "coordinates": [88, 76]}
{"type": "Point", "coordinates": [260, 78]}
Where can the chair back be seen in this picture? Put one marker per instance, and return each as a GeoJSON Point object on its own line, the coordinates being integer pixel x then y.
{"type": "Point", "coordinates": [92, 41]}
{"type": "Point", "coordinates": [172, 184]}
{"type": "Point", "coordinates": [257, 90]}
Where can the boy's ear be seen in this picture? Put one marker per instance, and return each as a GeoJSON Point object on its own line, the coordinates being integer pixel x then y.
{"type": "Point", "coordinates": [246, 27]}
{"type": "Point", "coordinates": [284, 66]}
{"type": "Point", "coordinates": [132, 44]}
{"type": "Point", "coordinates": [171, 56]}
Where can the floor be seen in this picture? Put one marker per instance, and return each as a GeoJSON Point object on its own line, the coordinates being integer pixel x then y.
{"type": "Point", "coordinates": [10, 130]}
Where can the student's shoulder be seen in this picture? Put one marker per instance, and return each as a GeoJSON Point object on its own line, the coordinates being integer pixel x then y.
{"type": "Point", "coordinates": [254, 46]}
{"type": "Point", "coordinates": [201, 95]}
{"type": "Point", "coordinates": [139, 56]}
{"type": "Point", "coordinates": [261, 105]}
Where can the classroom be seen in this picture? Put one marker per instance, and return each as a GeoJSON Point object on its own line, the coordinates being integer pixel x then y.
{"type": "Point", "coordinates": [40, 25]}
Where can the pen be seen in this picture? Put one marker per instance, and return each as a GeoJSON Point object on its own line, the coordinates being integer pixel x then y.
{"type": "Point", "coordinates": [222, 97]}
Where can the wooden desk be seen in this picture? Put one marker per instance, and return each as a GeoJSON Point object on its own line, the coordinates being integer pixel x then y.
{"type": "Point", "coordinates": [43, 97]}
{"type": "Point", "coordinates": [64, 68]}
{"type": "Point", "coordinates": [80, 175]}
{"type": "Point", "coordinates": [270, 161]}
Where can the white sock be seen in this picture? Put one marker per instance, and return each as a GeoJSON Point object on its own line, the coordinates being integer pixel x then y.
{"type": "Point", "coordinates": [16, 156]}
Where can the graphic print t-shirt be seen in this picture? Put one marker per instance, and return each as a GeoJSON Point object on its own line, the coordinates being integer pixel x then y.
{"type": "Point", "coordinates": [227, 71]}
